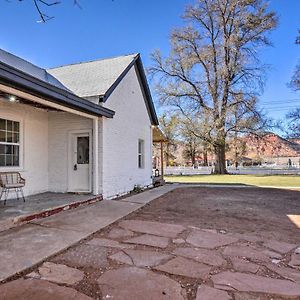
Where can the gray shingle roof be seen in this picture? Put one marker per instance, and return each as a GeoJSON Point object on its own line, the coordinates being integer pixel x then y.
{"type": "Point", "coordinates": [92, 78]}
{"type": "Point", "coordinates": [29, 68]}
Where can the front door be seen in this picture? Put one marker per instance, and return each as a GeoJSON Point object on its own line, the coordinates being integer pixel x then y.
{"type": "Point", "coordinates": [80, 163]}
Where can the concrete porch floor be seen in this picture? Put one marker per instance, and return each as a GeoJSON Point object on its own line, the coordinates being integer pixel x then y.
{"type": "Point", "coordinates": [39, 206]}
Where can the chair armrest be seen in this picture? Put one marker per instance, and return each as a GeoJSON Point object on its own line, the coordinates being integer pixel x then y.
{"type": "Point", "coordinates": [22, 180]}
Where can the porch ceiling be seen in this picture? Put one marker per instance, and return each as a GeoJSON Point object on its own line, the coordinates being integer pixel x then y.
{"type": "Point", "coordinates": [21, 100]}
{"type": "Point", "coordinates": [157, 135]}
{"type": "Point", "coordinates": [23, 82]}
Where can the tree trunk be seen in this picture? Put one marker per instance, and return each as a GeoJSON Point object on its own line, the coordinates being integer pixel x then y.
{"type": "Point", "coordinates": [193, 157]}
{"type": "Point", "coordinates": [205, 158]}
{"type": "Point", "coordinates": [220, 160]}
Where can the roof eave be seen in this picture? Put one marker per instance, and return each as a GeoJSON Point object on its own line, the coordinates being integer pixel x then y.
{"type": "Point", "coordinates": [15, 78]}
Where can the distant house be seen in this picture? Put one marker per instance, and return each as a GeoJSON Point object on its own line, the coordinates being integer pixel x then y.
{"type": "Point", "coordinates": [85, 127]}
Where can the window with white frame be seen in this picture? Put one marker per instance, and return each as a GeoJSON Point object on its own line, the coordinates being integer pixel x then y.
{"type": "Point", "coordinates": [9, 143]}
{"type": "Point", "coordinates": [141, 153]}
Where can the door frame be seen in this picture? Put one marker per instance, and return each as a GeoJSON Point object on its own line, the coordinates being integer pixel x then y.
{"type": "Point", "coordinates": [71, 134]}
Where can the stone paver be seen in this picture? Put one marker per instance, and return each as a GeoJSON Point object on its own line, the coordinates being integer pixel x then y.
{"type": "Point", "coordinates": [107, 243]}
{"type": "Point", "coordinates": [287, 273]}
{"type": "Point", "coordinates": [185, 267]}
{"type": "Point", "coordinates": [140, 258]}
{"type": "Point", "coordinates": [149, 240]}
{"type": "Point", "coordinates": [117, 233]}
{"type": "Point", "coordinates": [271, 254]}
{"type": "Point", "coordinates": [252, 283]}
{"type": "Point", "coordinates": [155, 228]}
{"type": "Point", "coordinates": [60, 273]}
{"type": "Point", "coordinates": [205, 292]}
{"type": "Point", "coordinates": [121, 284]}
{"type": "Point", "coordinates": [210, 257]}
{"type": "Point", "coordinates": [246, 296]}
{"type": "Point", "coordinates": [178, 241]}
{"type": "Point", "coordinates": [33, 289]}
{"type": "Point", "coordinates": [280, 247]}
{"type": "Point", "coordinates": [242, 265]}
{"type": "Point", "coordinates": [245, 251]}
{"type": "Point", "coordinates": [295, 260]}
{"type": "Point", "coordinates": [84, 256]}
{"type": "Point", "coordinates": [22, 247]}
{"type": "Point", "coordinates": [210, 240]}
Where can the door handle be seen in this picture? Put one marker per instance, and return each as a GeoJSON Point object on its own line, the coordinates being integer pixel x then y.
{"type": "Point", "coordinates": [75, 167]}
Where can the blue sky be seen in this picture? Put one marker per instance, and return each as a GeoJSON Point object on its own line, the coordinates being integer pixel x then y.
{"type": "Point", "coordinates": [105, 28]}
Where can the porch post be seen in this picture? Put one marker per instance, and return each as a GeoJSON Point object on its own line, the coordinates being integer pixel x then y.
{"type": "Point", "coordinates": [95, 156]}
{"type": "Point", "coordinates": [161, 160]}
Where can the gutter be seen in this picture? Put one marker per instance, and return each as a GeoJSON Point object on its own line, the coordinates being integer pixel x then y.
{"type": "Point", "coordinates": [20, 80]}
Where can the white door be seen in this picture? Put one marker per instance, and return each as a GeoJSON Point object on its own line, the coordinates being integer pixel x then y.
{"type": "Point", "coordinates": [80, 163]}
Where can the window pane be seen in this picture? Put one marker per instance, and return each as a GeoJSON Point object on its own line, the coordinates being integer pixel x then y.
{"type": "Point", "coordinates": [16, 160]}
{"type": "Point", "coordinates": [2, 160]}
{"type": "Point", "coordinates": [2, 124]}
{"type": "Point", "coordinates": [2, 136]}
{"type": "Point", "coordinates": [8, 149]}
{"type": "Point", "coordinates": [15, 138]}
{"type": "Point", "coordinates": [9, 160]}
{"type": "Point", "coordinates": [83, 150]}
{"type": "Point", "coordinates": [16, 150]}
{"type": "Point", "coordinates": [9, 136]}
{"type": "Point", "coordinates": [9, 125]}
{"type": "Point", "coordinates": [2, 149]}
{"type": "Point", "coordinates": [16, 127]}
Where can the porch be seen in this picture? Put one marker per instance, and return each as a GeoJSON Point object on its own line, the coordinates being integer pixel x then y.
{"type": "Point", "coordinates": [42, 205]}
{"type": "Point", "coordinates": [54, 148]}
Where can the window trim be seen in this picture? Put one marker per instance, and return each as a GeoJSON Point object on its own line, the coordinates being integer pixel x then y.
{"type": "Point", "coordinates": [13, 117]}
{"type": "Point", "coordinates": [141, 154]}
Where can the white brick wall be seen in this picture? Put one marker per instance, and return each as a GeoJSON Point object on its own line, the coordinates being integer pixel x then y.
{"type": "Point", "coordinates": [45, 136]}
{"type": "Point", "coordinates": [120, 139]}
{"type": "Point", "coordinates": [35, 144]}
{"type": "Point", "coordinates": [60, 124]}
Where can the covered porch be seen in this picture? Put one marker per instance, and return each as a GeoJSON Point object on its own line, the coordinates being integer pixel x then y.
{"type": "Point", "coordinates": [54, 148]}
{"type": "Point", "coordinates": [48, 134]}
{"type": "Point", "coordinates": [158, 139]}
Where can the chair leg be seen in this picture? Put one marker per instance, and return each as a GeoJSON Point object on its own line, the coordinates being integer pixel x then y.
{"type": "Point", "coordinates": [1, 194]}
{"type": "Point", "coordinates": [21, 190]}
{"type": "Point", "coordinates": [17, 193]}
{"type": "Point", "coordinates": [6, 195]}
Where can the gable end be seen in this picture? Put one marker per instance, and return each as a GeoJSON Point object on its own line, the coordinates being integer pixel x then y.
{"type": "Point", "coordinates": [137, 63]}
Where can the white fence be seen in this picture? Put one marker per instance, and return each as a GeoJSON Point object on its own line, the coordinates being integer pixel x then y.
{"type": "Point", "coordinates": [276, 170]}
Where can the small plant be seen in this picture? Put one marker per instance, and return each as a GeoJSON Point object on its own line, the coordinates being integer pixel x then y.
{"type": "Point", "coordinates": [137, 189]}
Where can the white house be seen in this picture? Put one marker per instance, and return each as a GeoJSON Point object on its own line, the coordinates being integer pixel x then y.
{"type": "Point", "coordinates": [85, 127]}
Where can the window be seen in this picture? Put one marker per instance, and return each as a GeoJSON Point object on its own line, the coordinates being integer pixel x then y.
{"type": "Point", "coordinates": [83, 150]}
{"type": "Point", "coordinates": [141, 154]}
{"type": "Point", "coordinates": [9, 143]}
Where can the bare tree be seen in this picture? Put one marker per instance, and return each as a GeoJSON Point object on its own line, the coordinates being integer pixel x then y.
{"type": "Point", "coordinates": [169, 126]}
{"type": "Point", "coordinates": [192, 145]}
{"type": "Point", "coordinates": [213, 69]}
{"type": "Point", "coordinates": [293, 127]}
{"type": "Point", "coordinates": [40, 6]}
{"type": "Point", "coordinates": [295, 82]}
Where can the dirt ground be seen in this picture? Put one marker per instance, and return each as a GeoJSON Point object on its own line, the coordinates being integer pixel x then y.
{"type": "Point", "coordinates": [233, 212]}
{"type": "Point", "coordinates": [260, 211]}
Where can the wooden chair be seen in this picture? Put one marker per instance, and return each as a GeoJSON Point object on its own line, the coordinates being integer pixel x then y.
{"type": "Point", "coordinates": [11, 181]}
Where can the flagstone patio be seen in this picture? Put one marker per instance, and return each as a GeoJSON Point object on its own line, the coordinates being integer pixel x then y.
{"type": "Point", "coordinates": [221, 267]}
{"type": "Point", "coordinates": [142, 259]}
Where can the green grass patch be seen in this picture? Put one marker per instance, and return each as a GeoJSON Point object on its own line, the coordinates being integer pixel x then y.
{"type": "Point", "coordinates": [255, 180]}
